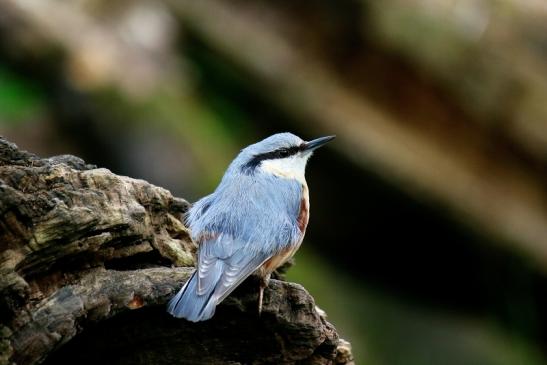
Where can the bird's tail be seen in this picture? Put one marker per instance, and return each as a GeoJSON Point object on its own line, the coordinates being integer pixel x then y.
{"type": "Point", "coordinates": [188, 304]}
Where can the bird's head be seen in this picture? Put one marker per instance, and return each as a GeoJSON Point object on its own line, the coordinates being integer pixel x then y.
{"type": "Point", "coordinates": [283, 154]}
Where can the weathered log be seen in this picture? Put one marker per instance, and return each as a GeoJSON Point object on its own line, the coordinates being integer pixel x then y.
{"type": "Point", "coordinates": [87, 262]}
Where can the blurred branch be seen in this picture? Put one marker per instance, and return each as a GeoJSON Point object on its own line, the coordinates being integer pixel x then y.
{"type": "Point", "coordinates": [123, 59]}
{"type": "Point", "coordinates": [490, 55]}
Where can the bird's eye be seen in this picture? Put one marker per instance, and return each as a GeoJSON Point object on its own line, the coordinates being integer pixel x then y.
{"type": "Point", "coordinates": [283, 152]}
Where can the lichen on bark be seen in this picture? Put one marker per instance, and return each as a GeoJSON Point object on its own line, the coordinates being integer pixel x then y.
{"type": "Point", "coordinates": [89, 258]}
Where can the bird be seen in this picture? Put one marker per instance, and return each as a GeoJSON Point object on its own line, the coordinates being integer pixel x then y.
{"type": "Point", "coordinates": [253, 222]}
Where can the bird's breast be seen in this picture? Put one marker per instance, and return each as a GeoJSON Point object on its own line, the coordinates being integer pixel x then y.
{"type": "Point", "coordinates": [302, 221]}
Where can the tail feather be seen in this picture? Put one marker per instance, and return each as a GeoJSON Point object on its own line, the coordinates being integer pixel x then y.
{"type": "Point", "coordinates": [188, 304]}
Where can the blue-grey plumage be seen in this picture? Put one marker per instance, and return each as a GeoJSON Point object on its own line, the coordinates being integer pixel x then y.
{"type": "Point", "coordinates": [253, 222]}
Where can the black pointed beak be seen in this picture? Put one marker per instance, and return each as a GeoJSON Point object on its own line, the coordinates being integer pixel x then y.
{"type": "Point", "coordinates": [316, 143]}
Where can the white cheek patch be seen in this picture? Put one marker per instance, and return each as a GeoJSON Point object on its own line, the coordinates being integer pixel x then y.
{"type": "Point", "coordinates": [292, 167]}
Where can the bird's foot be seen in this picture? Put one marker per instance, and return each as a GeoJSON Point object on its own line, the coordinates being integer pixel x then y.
{"type": "Point", "coordinates": [263, 284]}
{"type": "Point", "coordinates": [260, 296]}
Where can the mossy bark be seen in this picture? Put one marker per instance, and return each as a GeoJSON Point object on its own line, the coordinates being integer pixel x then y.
{"type": "Point", "coordinates": [88, 259]}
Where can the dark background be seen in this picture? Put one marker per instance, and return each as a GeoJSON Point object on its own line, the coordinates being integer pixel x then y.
{"type": "Point", "coordinates": [427, 242]}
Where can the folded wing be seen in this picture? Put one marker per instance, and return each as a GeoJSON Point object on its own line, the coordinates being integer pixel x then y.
{"type": "Point", "coordinates": [223, 263]}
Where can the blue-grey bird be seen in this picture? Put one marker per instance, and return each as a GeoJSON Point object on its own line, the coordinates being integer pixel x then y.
{"type": "Point", "coordinates": [253, 222]}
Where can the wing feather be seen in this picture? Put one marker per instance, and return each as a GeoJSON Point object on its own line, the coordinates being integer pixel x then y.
{"type": "Point", "coordinates": [234, 275]}
{"type": "Point", "coordinates": [219, 273]}
{"type": "Point", "coordinates": [209, 272]}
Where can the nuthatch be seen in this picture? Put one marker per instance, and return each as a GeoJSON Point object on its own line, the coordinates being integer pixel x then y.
{"type": "Point", "coordinates": [253, 222]}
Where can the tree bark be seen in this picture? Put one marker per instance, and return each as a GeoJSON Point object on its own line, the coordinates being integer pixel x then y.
{"type": "Point", "coordinates": [88, 259]}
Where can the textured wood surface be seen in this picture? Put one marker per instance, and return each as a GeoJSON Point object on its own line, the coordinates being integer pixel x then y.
{"type": "Point", "coordinates": [87, 262]}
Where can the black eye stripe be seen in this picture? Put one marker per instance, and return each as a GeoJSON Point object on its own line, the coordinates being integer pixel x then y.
{"type": "Point", "coordinates": [283, 152]}
{"type": "Point", "coordinates": [279, 153]}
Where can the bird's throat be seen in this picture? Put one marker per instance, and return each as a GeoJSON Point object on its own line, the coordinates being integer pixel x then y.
{"type": "Point", "coordinates": [287, 168]}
